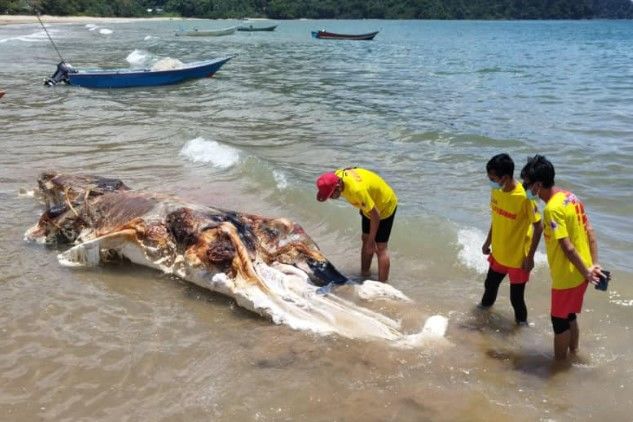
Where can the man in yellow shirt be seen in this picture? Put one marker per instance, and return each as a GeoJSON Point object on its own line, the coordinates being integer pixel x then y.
{"type": "Point", "coordinates": [377, 203]}
{"type": "Point", "coordinates": [572, 251]}
{"type": "Point", "coordinates": [515, 231]}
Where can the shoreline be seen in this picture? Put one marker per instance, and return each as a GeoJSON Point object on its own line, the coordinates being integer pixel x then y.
{"type": "Point", "coordinates": [32, 19]}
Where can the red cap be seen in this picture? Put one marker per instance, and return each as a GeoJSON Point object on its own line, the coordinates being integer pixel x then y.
{"type": "Point", "coordinates": [326, 183]}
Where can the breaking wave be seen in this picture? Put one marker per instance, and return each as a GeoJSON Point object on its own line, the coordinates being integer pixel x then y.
{"type": "Point", "coordinates": [39, 36]}
{"type": "Point", "coordinates": [139, 58]}
{"type": "Point", "coordinates": [200, 150]}
{"type": "Point", "coordinates": [470, 241]}
{"type": "Point", "coordinates": [280, 178]}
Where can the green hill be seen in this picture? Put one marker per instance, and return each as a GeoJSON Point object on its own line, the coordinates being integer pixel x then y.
{"type": "Point", "coordinates": [336, 9]}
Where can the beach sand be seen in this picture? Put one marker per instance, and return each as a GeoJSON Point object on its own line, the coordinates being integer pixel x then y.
{"type": "Point", "coordinates": [30, 19]}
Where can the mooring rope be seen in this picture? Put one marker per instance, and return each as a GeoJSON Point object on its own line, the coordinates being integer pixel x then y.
{"type": "Point", "coordinates": [37, 14]}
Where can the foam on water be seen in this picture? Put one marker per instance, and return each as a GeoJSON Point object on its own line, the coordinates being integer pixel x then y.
{"type": "Point", "coordinates": [105, 31]}
{"type": "Point", "coordinates": [138, 58]}
{"type": "Point", "coordinates": [372, 290]}
{"type": "Point", "coordinates": [39, 36]}
{"type": "Point", "coordinates": [280, 178]}
{"type": "Point", "coordinates": [22, 193]}
{"type": "Point", "coordinates": [200, 150]}
{"type": "Point", "coordinates": [616, 299]}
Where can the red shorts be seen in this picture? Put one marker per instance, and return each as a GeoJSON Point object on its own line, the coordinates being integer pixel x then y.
{"type": "Point", "coordinates": [568, 301]}
{"type": "Point", "coordinates": [516, 275]}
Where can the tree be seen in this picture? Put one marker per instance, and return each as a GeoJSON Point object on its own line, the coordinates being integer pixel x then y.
{"type": "Point", "coordinates": [339, 9]}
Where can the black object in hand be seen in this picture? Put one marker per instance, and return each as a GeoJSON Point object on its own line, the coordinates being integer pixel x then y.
{"type": "Point", "coordinates": [603, 282]}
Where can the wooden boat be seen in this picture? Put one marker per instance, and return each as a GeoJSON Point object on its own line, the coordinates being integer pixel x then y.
{"type": "Point", "coordinates": [208, 33]}
{"type": "Point", "coordinates": [1, 94]}
{"type": "Point", "coordinates": [252, 28]}
{"type": "Point", "coordinates": [127, 78]}
{"type": "Point", "coordinates": [324, 35]}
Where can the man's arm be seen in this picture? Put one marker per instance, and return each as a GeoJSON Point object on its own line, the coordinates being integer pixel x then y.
{"type": "Point", "coordinates": [528, 262]}
{"type": "Point", "coordinates": [374, 222]}
{"type": "Point", "coordinates": [574, 258]}
{"type": "Point", "coordinates": [593, 244]}
{"type": "Point", "coordinates": [485, 248]}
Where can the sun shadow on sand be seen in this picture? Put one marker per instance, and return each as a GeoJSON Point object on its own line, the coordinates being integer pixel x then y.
{"type": "Point", "coordinates": [533, 362]}
{"type": "Point", "coordinates": [502, 340]}
{"type": "Point", "coordinates": [489, 321]}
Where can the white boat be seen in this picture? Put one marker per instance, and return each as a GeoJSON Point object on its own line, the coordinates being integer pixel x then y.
{"type": "Point", "coordinates": [207, 33]}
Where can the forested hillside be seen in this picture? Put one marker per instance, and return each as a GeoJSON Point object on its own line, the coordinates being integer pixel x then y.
{"type": "Point", "coordinates": [335, 9]}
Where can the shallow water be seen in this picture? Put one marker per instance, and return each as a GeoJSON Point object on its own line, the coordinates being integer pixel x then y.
{"type": "Point", "coordinates": [426, 104]}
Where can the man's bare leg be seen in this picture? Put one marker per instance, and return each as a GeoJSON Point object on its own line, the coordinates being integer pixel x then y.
{"type": "Point", "coordinates": [383, 261]}
{"type": "Point", "coordinates": [561, 344]}
{"type": "Point", "coordinates": [574, 336]}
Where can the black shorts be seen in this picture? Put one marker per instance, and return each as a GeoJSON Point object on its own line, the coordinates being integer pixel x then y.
{"type": "Point", "coordinates": [384, 228]}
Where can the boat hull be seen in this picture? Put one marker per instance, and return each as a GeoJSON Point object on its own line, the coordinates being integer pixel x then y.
{"type": "Point", "coordinates": [324, 35]}
{"type": "Point", "coordinates": [218, 33]}
{"type": "Point", "coordinates": [256, 29]}
{"type": "Point", "coordinates": [139, 78]}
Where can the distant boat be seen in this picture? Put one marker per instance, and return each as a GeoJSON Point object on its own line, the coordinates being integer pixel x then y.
{"type": "Point", "coordinates": [324, 35]}
{"type": "Point", "coordinates": [128, 78]}
{"type": "Point", "coordinates": [208, 33]}
{"type": "Point", "coordinates": [252, 28]}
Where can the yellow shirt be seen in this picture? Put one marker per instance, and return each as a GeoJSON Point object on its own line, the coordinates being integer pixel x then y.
{"type": "Point", "coordinates": [512, 217]}
{"type": "Point", "coordinates": [564, 216]}
{"type": "Point", "coordinates": [365, 190]}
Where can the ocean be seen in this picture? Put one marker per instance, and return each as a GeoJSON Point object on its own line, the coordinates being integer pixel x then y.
{"type": "Point", "coordinates": [425, 104]}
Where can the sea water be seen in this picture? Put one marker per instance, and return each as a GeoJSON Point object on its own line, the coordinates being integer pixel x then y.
{"type": "Point", "coordinates": [425, 104]}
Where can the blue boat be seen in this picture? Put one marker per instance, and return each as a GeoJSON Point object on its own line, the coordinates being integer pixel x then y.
{"type": "Point", "coordinates": [128, 78]}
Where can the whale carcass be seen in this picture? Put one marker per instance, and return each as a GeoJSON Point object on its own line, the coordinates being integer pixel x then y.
{"type": "Point", "coordinates": [268, 265]}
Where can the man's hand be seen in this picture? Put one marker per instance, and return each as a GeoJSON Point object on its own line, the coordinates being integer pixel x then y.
{"type": "Point", "coordinates": [369, 247]}
{"type": "Point", "coordinates": [594, 273]}
{"type": "Point", "coordinates": [528, 263]}
{"type": "Point", "coordinates": [485, 249]}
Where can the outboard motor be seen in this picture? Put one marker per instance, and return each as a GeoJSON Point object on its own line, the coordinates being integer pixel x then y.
{"type": "Point", "coordinates": [61, 74]}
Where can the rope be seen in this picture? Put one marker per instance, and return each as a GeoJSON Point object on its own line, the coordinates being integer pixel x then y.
{"type": "Point", "coordinates": [48, 35]}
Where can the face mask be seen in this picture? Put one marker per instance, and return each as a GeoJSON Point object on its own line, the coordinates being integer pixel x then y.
{"type": "Point", "coordinates": [530, 195]}
{"type": "Point", "coordinates": [495, 185]}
